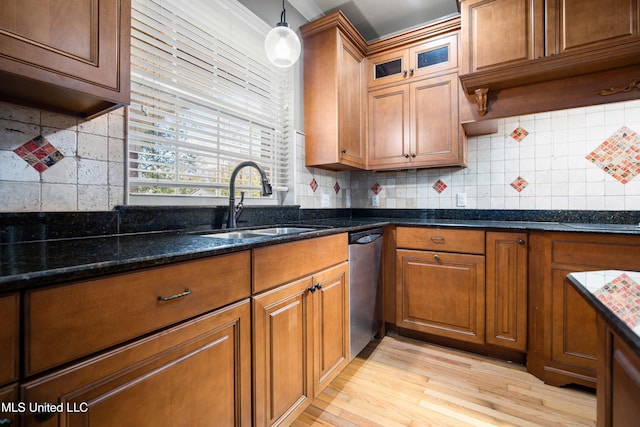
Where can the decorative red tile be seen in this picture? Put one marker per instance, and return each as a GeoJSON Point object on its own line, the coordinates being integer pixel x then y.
{"type": "Point", "coordinates": [39, 153]}
{"type": "Point", "coordinates": [376, 188]}
{"type": "Point", "coordinates": [439, 186]}
{"type": "Point", "coordinates": [314, 185]}
{"type": "Point", "coordinates": [336, 187]}
{"type": "Point", "coordinates": [519, 184]}
{"type": "Point", "coordinates": [519, 133]}
{"type": "Point", "coordinates": [618, 155]}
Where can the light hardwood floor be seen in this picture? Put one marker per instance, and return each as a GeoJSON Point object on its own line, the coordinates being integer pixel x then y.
{"type": "Point", "coordinates": [402, 382]}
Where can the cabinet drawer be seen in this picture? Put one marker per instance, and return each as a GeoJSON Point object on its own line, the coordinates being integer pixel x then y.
{"type": "Point", "coordinates": [599, 251]}
{"type": "Point", "coordinates": [278, 264]}
{"type": "Point", "coordinates": [439, 239]}
{"type": "Point", "coordinates": [67, 322]}
{"type": "Point", "coordinates": [10, 311]}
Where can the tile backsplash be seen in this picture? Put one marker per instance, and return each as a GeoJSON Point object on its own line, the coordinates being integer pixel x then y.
{"type": "Point", "coordinates": [86, 174]}
{"type": "Point", "coordinates": [537, 161]}
{"type": "Point", "coordinates": [533, 162]}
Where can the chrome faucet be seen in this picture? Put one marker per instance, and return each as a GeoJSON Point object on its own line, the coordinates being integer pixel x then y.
{"type": "Point", "coordinates": [235, 211]}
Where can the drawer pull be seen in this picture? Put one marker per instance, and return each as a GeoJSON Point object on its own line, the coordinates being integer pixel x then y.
{"type": "Point", "coordinates": [176, 296]}
{"type": "Point", "coordinates": [436, 257]}
{"type": "Point", "coordinates": [437, 239]}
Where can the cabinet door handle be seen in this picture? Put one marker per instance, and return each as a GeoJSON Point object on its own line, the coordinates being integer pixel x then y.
{"type": "Point", "coordinates": [413, 155]}
{"type": "Point", "coordinates": [404, 72]}
{"type": "Point", "coordinates": [319, 286]}
{"type": "Point", "coordinates": [176, 296]}
{"type": "Point", "coordinates": [344, 151]}
{"type": "Point", "coordinates": [311, 289]}
{"type": "Point", "coordinates": [5, 422]}
{"type": "Point", "coordinates": [406, 156]}
{"type": "Point", "coordinates": [521, 242]}
{"type": "Point", "coordinates": [411, 71]}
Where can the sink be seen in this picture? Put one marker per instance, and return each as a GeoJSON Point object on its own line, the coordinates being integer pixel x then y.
{"type": "Point", "coordinates": [260, 232]}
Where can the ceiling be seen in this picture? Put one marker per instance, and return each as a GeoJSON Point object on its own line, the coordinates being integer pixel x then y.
{"type": "Point", "coordinates": [376, 19]}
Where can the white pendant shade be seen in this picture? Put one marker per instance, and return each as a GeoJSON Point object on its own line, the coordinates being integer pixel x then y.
{"type": "Point", "coordinates": [282, 46]}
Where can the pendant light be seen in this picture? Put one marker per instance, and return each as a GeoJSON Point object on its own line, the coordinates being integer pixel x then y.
{"type": "Point", "coordinates": [282, 44]}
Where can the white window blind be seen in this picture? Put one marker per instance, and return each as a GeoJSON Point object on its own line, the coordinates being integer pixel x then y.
{"type": "Point", "coordinates": [203, 99]}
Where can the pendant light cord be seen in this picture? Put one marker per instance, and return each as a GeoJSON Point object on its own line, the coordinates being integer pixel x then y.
{"type": "Point", "coordinates": [283, 15]}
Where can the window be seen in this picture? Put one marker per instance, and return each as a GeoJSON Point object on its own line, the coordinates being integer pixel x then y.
{"type": "Point", "coordinates": [203, 98]}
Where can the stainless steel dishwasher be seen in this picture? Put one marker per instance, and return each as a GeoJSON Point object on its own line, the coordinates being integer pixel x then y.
{"type": "Point", "coordinates": [365, 290]}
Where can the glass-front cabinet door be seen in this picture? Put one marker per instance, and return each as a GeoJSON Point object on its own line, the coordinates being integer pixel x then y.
{"type": "Point", "coordinates": [431, 57]}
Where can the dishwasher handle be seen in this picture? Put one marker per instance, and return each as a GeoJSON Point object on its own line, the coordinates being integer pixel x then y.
{"type": "Point", "coordinates": [364, 237]}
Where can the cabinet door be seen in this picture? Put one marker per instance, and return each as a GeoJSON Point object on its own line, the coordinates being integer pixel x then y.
{"type": "Point", "coordinates": [388, 67]}
{"type": "Point", "coordinates": [195, 374]}
{"type": "Point", "coordinates": [435, 132]}
{"type": "Point", "coordinates": [282, 351]}
{"type": "Point", "coordinates": [442, 294]}
{"type": "Point", "coordinates": [351, 90]}
{"type": "Point", "coordinates": [587, 24]}
{"type": "Point", "coordinates": [506, 299]}
{"type": "Point", "coordinates": [501, 32]}
{"type": "Point", "coordinates": [77, 45]}
{"type": "Point", "coordinates": [330, 324]}
{"type": "Point", "coordinates": [9, 400]}
{"type": "Point", "coordinates": [389, 127]}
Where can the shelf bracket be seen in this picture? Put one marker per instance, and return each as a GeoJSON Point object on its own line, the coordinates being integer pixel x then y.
{"type": "Point", "coordinates": [481, 100]}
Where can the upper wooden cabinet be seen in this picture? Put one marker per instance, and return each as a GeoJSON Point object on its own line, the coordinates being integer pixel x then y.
{"type": "Point", "coordinates": [416, 125]}
{"type": "Point", "coordinates": [579, 48]}
{"type": "Point", "coordinates": [334, 88]}
{"type": "Point", "coordinates": [438, 54]}
{"type": "Point", "coordinates": [70, 56]}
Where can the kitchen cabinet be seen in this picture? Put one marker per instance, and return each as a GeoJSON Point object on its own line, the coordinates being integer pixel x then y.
{"type": "Point", "coordinates": [63, 323]}
{"type": "Point", "coordinates": [437, 55]}
{"type": "Point", "coordinates": [195, 373]}
{"type": "Point", "coordinates": [334, 88]}
{"type": "Point", "coordinates": [9, 357]}
{"type": "Point", "coordinates": [440, 282]}
{"type": "Point", "coordinates": [152, 346]}
{"type": "Point", "coordinates": [69, 56]}
{"type": "Point", "coordinates": [506, 290]}
{"type": "Point", "coordinates": [508, 44]}
{"type": "Point", "coordinates": [562, 345]}
{"type": "Point", "coordinates": [301, 324]}
{"type": "Point", "coordinates": [416, 125]}
{"type": "Point", "coordinates": [618, 380]}
{"type": "Point", "coordinates": [301, 339]}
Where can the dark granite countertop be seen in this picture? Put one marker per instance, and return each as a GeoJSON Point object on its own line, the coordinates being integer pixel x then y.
{"type": "Point", "coordinates": [614, 295]}
{"type": "Point", "coordinates": [35, 263]}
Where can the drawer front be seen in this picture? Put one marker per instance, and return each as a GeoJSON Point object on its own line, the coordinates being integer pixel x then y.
{"type": "Point", "coordinates": [278, 264]}
{"type": "Point", "coordinates": [597, 251]}
{"type": "Point", "coordinates": [440, 239]}
{"type": "Point", "coordinates": [68, 322]}
{"type": "Point", "coordinates": [9, 330]}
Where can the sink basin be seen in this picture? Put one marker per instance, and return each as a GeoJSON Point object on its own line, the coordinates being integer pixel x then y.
{"type": "Point", "coordinates": [260, 232]}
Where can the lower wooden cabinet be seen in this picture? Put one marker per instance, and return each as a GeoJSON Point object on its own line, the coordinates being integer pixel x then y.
{"type": "Point", "coordinates": [506, 290]}
{"type": "Point", "coordinates": [618, 380]}
{"type": "Point", "coordinates": [300, 343]}
{"type": "Point", "coordinates": [9, 337]}
{"type": "Point", "coordinates": [562, 345]}
{"type": "Point", "coordinates": [441, 293]}
{"type": "Point", "coordinates": [195, 374]}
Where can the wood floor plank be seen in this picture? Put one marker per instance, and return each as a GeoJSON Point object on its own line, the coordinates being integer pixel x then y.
{"type": "Point", "coordinates": [403, 382]}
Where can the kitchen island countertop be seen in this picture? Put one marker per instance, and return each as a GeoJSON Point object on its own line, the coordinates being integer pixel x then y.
{"type": "Point", "coordinates": [25, 265]}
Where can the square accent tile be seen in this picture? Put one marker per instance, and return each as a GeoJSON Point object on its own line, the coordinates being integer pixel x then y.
{"type": "Point", "coordinates": [314, 185]}
{"type": "Point", "coordinates": [376, 188]}
{"type": "Point", "coordinates": [519, 133]}
{"type": "Point", "coordinates": [336, 187]}
{"type": "Point", "coordinates": [439, 186]}
{"type": "Point", "coordinates": [619, 155]}
{"type": "Point", "coordinates": [519, 184]}
{"type": "Point", "coordinates": [39, 153]}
